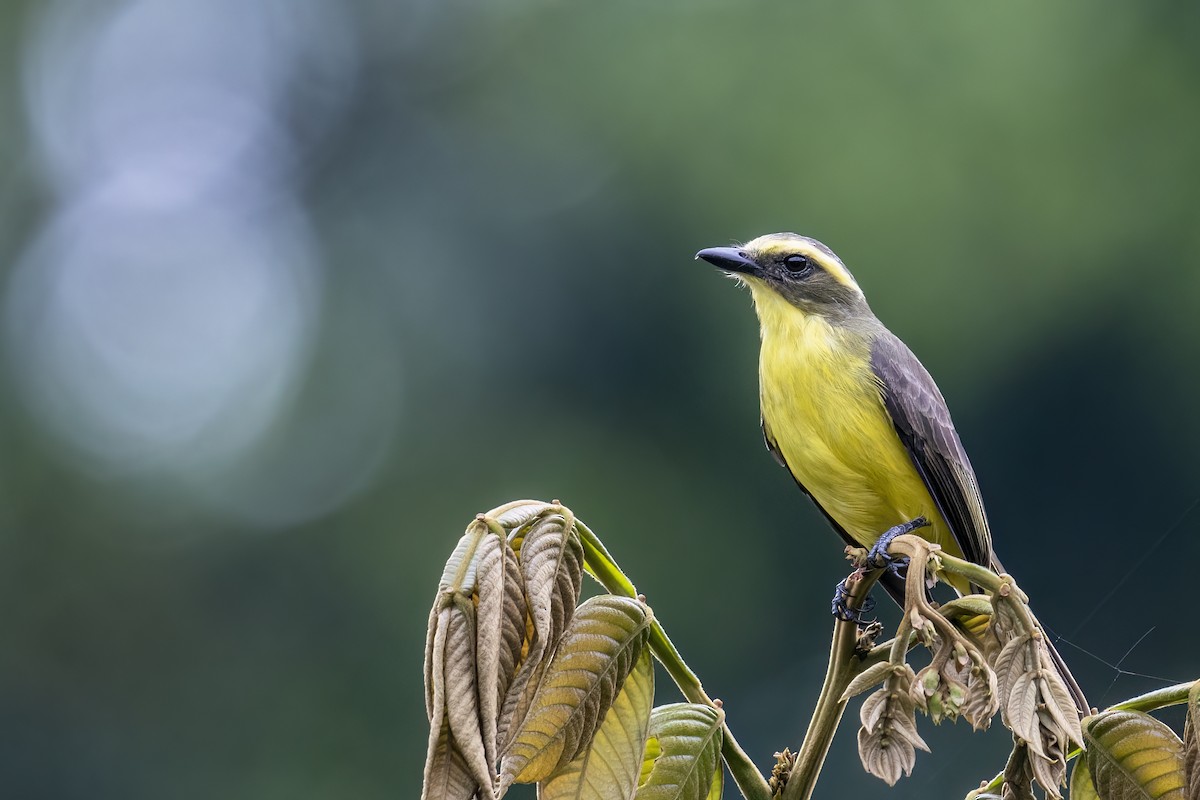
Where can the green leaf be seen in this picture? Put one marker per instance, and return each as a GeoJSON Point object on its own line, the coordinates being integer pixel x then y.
{"type": "Point", "coordinates": [1132, 756]}
{"type": "Point", "coordinates": [1191, 742]}
{"type": "Point", "coordinates": [683, 754]}
{"type": "Point", "coordinates": [609, 768]}
{"type": "Point", "coordinates": [551, 559]}
{"type": "Point", "coordinates": [1082, 787]}
{"type": "Point", "coordinates": [597, 651]}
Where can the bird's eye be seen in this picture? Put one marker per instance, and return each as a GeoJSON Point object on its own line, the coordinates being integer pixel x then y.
{"type": "Point", "coordinates": [796, 264]}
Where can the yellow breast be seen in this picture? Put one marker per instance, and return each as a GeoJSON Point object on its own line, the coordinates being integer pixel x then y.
{"type": "Point", "coordinates": [822, 407]}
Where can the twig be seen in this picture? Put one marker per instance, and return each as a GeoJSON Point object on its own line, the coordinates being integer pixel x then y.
{"type": "Point", "coordinates": [830, 706]}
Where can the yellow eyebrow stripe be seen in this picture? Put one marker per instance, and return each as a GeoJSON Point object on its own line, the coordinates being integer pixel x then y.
{"type": "Point", "coordinates": [821, 255]}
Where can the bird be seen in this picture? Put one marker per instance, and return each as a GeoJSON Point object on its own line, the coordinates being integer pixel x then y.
{"type": "Point", "coordinates": [853, 415]}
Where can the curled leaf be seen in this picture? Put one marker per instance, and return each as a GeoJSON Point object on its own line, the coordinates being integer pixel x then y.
{"type": "Point", "coordinates": [888, 739]}
{"type": "Point", "coordinates": [1133, 755]}
{"type": "Point", "coordinates": [461, 735]}
{"type": "Point", "coordinates": [682, 760]}
{"type": "Point", "coordinates": [868, 678]}
{"type": "Point", "coordinates": [1018, 775]}
{"type": "Point", "coordinates": [499, 632]}
{"type": "Point", "coordinates": [596, 653]}
{"type": "Point", "coordinates": [609, 768]}
{"type": "Point", "coordinates": [447, 775]}
{"type": "Point", "coordinates": [518, 512]}
{"type": "Point", "coordinates": [551, 559]}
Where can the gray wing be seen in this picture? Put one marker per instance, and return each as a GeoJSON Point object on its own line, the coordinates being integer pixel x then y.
{"type": "Point", "coordinates": [923, 423]}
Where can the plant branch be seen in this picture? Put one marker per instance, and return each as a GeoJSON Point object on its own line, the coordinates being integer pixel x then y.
{"type": "Point", "coordinates": [601, 566]}
{"type": "Point", "coordinates": [830, 706]}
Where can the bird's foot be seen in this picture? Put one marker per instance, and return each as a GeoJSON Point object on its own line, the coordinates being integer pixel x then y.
{"type": "Point", "coordinates": [880, 558]}
{"type": "Point", "coordinates": [843, 611]}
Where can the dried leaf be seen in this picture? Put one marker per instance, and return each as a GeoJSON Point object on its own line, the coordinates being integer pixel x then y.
{"type": "Point", "coordinates": [982, 701]}
{"type": "Point", "coordinates": [462, 697]}
{"type": "Point", "coordinates": [888, 739]}
{"type": "Point", "coordinates": [885, 756]}
{"type": "Point", "coordinates": [1132, 755]}
{"type": "Point", "coordinates": [1082, 787]}
{"type": "Point", "coordinates": [867, 679]}
{"type": "Point", "coordinates": [596, 653]}
{"type": "Point", "coordinates": [610, 767]}
{"type": "Point", "coordinates": [551, 559]}
{"type": "Point", "coordinates": [452, 699]}
{"type": "Point", "coordinates": [446, 774]}
{"type": "Point", "coordinates": [1018, 775]}
{"type": "Point", "coordinates": [518, 512]}
{"type": "Point", "coordinates": [1020, 711]}
{"type": "Point", "coordinates": [1060, 704]}
{"type": "Point", "coordinates": [499, 632]}
{"type": "Point", "coordinates": [1191, 742]}
{"type": "Point", "coordinates": [1012, 662]}
{"type": "Point", "coordinates": [683, 754]}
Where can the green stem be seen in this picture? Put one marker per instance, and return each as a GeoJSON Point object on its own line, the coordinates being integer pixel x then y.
{"type": "Point", "coordinates": [1159, 698]}
{"type": "Point", "coordinates": [830, 706]}
{"type": "Point", "coordinates": [601, 566]}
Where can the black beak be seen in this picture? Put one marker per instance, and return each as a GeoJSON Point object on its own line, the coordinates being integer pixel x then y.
{"type": "Point", "coordinates": [729, 259]}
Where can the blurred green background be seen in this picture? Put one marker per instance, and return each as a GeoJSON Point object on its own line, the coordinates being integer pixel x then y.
{"type": "Point", "coordinates": [293, 288]}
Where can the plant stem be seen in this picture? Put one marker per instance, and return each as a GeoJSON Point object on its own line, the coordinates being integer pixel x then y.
{"type": "Point", "coordinates": [601, 566]}
{"type": "Point", "coordinates": [830, 706]}
{"type": "Point", "coordinates": [1159, 698]}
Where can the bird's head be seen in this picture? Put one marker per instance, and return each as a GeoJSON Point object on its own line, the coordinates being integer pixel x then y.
{"type": "Point", "coordinates": [801, 271]}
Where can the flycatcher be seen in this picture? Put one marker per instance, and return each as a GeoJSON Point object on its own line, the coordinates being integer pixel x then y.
{"type": "Point", "coordinates": [852, 413]}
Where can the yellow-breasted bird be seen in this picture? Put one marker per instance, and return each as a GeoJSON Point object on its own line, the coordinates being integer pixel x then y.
{"type": "Point", "coordinates": [852, 413]}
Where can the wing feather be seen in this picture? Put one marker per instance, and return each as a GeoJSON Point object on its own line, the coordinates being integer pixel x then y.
{"type": "Point", "coordinates": [923, 423]}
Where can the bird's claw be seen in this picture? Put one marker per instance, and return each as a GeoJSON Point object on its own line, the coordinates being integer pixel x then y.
{"type": "Point", "coordinates": [841, 605]}
{"type": "Point", "coordinates": [879, 558]}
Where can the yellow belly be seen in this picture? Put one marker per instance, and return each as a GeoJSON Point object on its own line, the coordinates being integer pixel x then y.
{"type": "Point", "coordinates": [822, 408]}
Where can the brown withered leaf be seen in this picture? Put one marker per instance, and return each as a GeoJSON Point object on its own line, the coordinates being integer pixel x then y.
{"type": "Point", "coordinates": [982, 700]}
{"type": "Point", "coordinates": [499, 632]}
{"type": "Point", "coordinates": [1018, 775]}
{"type": "Point", "coordinates": [868, 678]}
{"type": "Point", "coordinates": [551, 559]}
{"type": "Point", "coordinates": [518, 512]}
{"type": "Point", "coordinates": [447, 775]}
{"type": "Point", "coordinates": [885, 756]}
{"type": "Point", "coordinates": [888, 738]}
{"type": "Point", "coordinates": [589, 668]}
{"type": "Point", "coordinates": [1058, 702]}
{"type": "Point", "coordinates": [462, 692]}
{"type": "Point", "coordinates": [1013, 661]}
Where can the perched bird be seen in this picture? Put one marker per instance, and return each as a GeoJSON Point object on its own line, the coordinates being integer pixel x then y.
{"type": "Point", "coordinates": [852, 413]}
